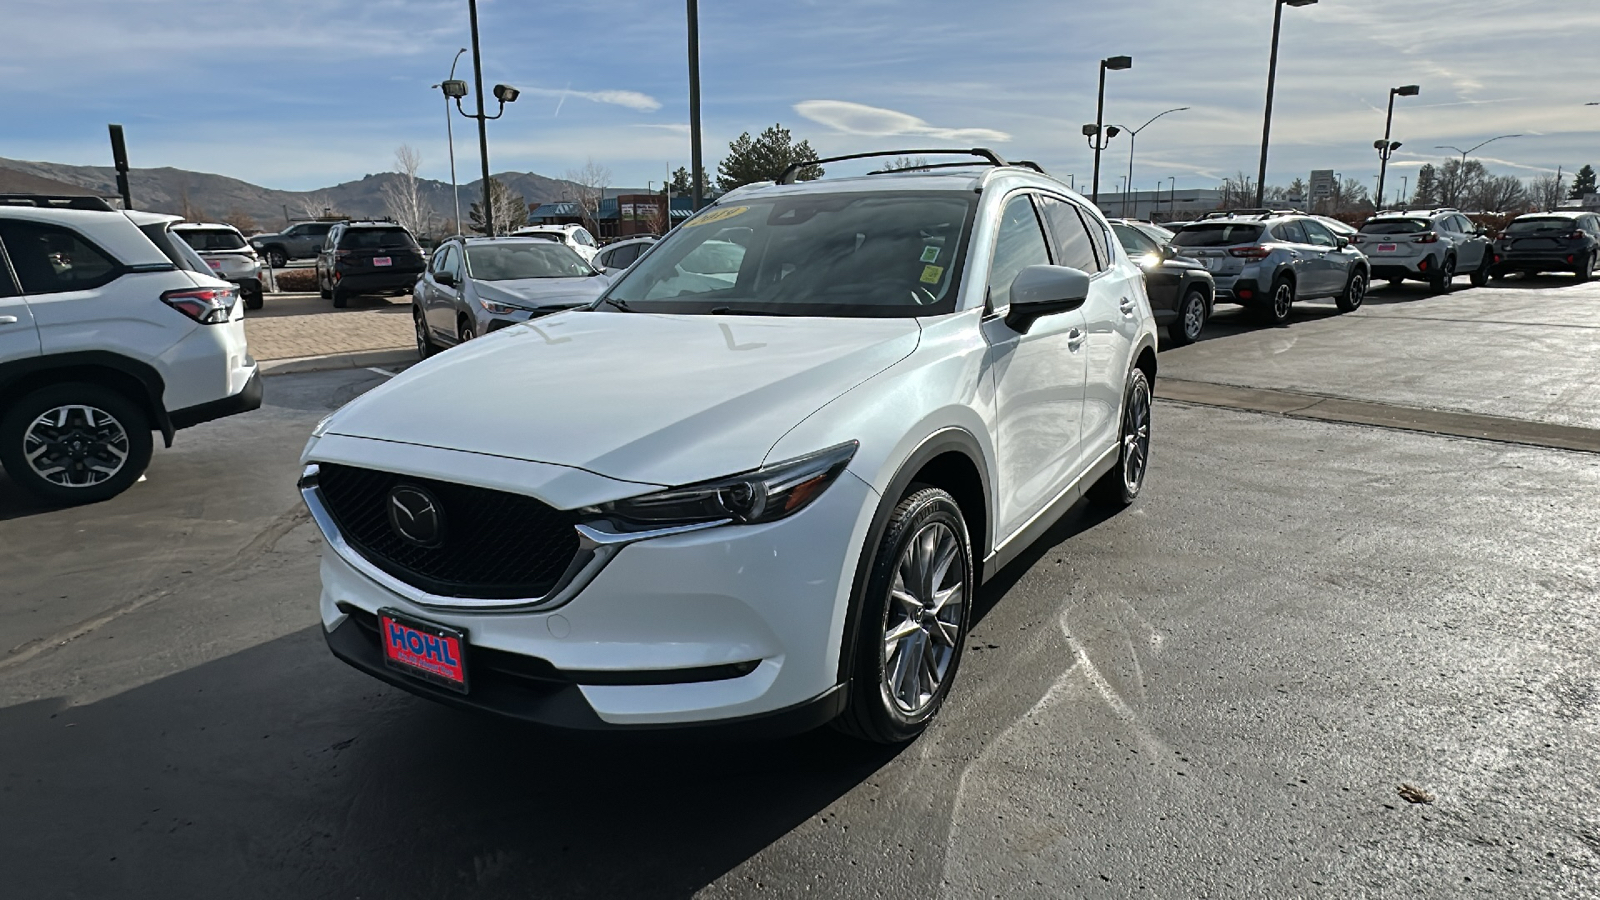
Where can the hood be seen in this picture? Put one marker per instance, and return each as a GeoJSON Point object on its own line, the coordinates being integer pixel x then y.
{"type": "Point", "coordinates": [538, 292]}
{"type": "Point", "coordinates": [638, 397]}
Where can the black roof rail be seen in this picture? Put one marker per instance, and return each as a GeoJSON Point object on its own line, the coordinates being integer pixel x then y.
{"type": "Point", "coordinates": [57, 201]}
{"type": "Point", "coordinates": [989, 157]}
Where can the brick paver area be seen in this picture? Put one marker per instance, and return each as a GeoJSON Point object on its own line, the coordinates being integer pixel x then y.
{"type": "Point", "coordinates": [300, 325]}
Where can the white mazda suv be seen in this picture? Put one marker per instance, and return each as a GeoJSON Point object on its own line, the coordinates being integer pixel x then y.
{"type": "Point", "coordinates": [760, 498]}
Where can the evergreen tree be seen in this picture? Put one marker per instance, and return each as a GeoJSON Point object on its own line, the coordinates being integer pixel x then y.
{"type": "Point", "coordinates": [764, 159]}
{"type": "Point", "coordinates": [681, 184]}
{"type": "Point", "coordinates": [1582, 184]}
{"type": "Point", "coordinates": [1426, 193]}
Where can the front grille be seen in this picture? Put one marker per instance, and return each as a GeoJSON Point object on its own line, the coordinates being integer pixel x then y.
{"type": "Point", "coordinates": [496, 546]}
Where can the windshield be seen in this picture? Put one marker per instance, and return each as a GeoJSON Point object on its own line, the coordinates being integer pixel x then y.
{"type": "Point", "coordinates": [1155, 232]}
{"type": "Point", "coordinates": [875, 253]}
{"type": "Point", "coordinates": [1395, 226]}
{"type": "Point", "coordinates": [1541, 226]}
{"type": "Point", "coordinates": [211, 239]}
{"type": "Point", "coordinates": [376, 238]}
{"type": "Point", "coordinates": [524, 259]}
{"type": "Point", "coordinates": [1216, 234]}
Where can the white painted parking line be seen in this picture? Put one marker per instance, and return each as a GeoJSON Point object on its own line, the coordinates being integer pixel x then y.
{"type": "Point", "coordinates": [384, 372]}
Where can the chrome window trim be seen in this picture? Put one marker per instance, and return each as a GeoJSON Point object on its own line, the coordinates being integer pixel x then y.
{"type": "Point", "coordinates": [597, 546]}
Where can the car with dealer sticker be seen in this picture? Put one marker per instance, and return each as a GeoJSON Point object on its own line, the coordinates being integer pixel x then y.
{"type": "Point", "coordinates": [757, 483]}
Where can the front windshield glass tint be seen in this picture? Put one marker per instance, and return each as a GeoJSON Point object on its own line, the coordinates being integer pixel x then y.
{"type": "Point", "coordinates": [212, 239]}
{"type": "Point", "coordinates": [1541, 226]}
{"type": "Point", "coordinates": [1395, 226]}
{"type": "Point", "coordinates": [524, 259]}
{"type": "Point", "coordinates": [844, 254]}
{"type": "Point", "coordinates": [1216, 234]}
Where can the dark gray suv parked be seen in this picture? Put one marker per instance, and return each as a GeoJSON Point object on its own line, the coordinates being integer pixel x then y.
{"type": "Point", "coordinates": [302, 240]}
{"type": "Point", "coordinates": [1268, 261]}
{"type": "Point", "coordinates": [1549, 242]}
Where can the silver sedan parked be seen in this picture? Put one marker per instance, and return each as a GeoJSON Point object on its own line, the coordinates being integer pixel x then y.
{"type": "Point", "coordinates": [476, 285]}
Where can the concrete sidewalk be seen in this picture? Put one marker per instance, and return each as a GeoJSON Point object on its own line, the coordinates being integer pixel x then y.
{"type": "Point", "coordinates": [302, 333]}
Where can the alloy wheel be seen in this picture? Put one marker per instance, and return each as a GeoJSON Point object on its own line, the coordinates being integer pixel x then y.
{"type": "Point", "coordinates": [422, 335]}
{"type": "Point", "coordinates": [75, 446]}
{"type": "Point", "coordinates": [1282, 299]}
{"type": "Point", "coordinates": [464, 331]}
{"type": "Point", "coordinates": [923, 618]}
{"type": "Point", "coordinates": [1194, 318]}
{"type": "Point", "coordinates": [1358, 291]}
{"type": "Point", "coordinates": [1136, 436]}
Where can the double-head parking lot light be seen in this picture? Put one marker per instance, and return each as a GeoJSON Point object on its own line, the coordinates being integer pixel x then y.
{"type": "Point", "coordinates": [1272, 78]}
{"type": "Point", "coordinates": [1386, 147]}
{"type": "Point", "coordinates": [1101, 133]}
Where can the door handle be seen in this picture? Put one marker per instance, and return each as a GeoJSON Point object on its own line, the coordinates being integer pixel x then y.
{"type": "Point", "coordinates": [1075, 339]}
{"type": "Point", "coordinates": [8, 320]}
{"type": "Point", "coordinates": [1126, 306]}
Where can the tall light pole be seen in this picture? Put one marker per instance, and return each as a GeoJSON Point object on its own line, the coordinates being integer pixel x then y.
{"type": "Point", "coordinates": [449, 130]}
{"type": "Point", "coordinates": [1172, 197]}
{"type": "Point", "coordinates": [1098, 138]}
{"type": "Point", "coordinates": [1387, 147]}
{"type": "Point", "coordinates": [1461, 173]}
{"type": "Point", "coordinates": [1133, 133]}
{"type": "Point", "coordinates": [1272, 79]}
{"type": "Point", "coordinates": [504, 93]}
{"type": "Point", "coordinates": [699, 190]}
{"type": "Point", "coordinates": [1405, 191]}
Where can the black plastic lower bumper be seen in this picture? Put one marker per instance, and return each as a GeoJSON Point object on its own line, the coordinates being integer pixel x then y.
{"type": "Point", "coordinates": [560, 704]}
{"type": "Point", "coordinates": [246, 400]}
{"type": "Point", "coordinates": [1537, 262]}
{"type": "Point", "coordinates": [375, 282]}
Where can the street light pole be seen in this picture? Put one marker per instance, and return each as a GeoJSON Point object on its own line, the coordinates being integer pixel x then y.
{"type": "Point", "coordinates": [1100, 138]}
{"type": "Point", "coordinates": [1133, 133]}
{"type": "Point", "coordinates": [483, 122]}
{"type": "Point", "coordinates": [1388, 147]}
{"type": "Point", "coordinates": [1272, 79]}
{"type": "Point", "coordinates": [450, 134]}
{"type": "Point", "coordinates": [1172, 197]}
{"type": "Point", "coordinates": [699, 189]}
{"type": "Point", "coordinates": [1461, 173]}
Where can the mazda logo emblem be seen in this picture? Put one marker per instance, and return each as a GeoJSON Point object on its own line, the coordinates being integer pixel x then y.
{"type": "Point", "coordinates": [415, 516]}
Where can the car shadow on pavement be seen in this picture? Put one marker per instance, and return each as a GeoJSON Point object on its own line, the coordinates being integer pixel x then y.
{"type": "Point", "coordinates": [15, 503]}
{"type": "Point", "coordinates": [276, 771]}
{"type": "Point", "coordinates": [1082, 517]}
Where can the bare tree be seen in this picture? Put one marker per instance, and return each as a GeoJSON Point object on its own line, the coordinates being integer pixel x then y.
{"type": "Point", "coordinates": [588, 189]}
{"type": "Point", "coordinates": [241, 220]}
{"type": "Point", "coordinates": [316, 205]}
{"type": "Point", "coordinates": [402, 195]}
{"type": "Point", "coordinates": [510, 209]}
{"type": "Point", "coordinates": [1503, 193]}
{"type": "Point", "coordinates": [909, 164]}
{"type": "Point", "coordinates": [1238, 192]}
{"type": "Point", "coordinates": [1547, 191]}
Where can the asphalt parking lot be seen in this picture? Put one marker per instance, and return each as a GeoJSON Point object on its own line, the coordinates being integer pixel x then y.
{"type": "Point", "coordinates": [1217, 693]}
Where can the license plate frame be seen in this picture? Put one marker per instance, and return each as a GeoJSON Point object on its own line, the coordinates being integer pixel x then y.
{"type": "Point", "coordinates": [441, 672]}
{"type": "Point", "coordinates": [383, 260]}
{"type": "Point", "coordinates": [1388, 248]}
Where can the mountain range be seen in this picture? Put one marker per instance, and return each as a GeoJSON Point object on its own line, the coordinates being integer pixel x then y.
{"type": "Point", "coordinates": [200, 196]}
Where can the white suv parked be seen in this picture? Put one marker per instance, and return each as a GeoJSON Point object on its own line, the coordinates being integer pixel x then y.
{"type": "Point", "coordinates": [110, 327]}
{"type": "Point", "coordinates": [575, 236]}
{"type": "Point", "coordinates": [1432, 245]}
{"type": "Point", "coordinates": [761, 501]}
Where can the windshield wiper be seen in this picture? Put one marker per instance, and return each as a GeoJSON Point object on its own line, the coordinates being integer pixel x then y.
{"type": "Point", "coordinates": [620, 305]}
{"type": "Point", "coordinates": [737, 311]}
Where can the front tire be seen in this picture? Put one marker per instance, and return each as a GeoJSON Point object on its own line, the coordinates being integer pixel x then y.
{"type": "Point", "coordinates": [340, 297]}
{"type": "Point", "coordinates": [75, 443]}
{"type": "Point", "coordinates": [276, 258]}
{"type": "Point", "coordinates": [914, 620]}
{"type": "Point", "coordinates": [1191, 319]}
{"type": "Point", "coordinates": [1355, 291]}
{"type": "Point", "coordinates": [1119, 487]}
{"type": "Point", "coordinates": [1480, 275]}
{"type": "Point", "coordinates": [254, 300]}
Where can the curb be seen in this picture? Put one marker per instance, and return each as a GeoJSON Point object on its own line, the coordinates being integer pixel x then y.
{"type": "Point", "coordinates": [333, 361]}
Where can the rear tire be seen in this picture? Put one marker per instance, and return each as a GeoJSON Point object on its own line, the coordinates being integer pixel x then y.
{"type": "Point", "coordinates": [95, 442]}
{"type": "Point", "coordinates": [1355, 291]}
{"type": "Point", "coordinates": [1443, 276]}
{"type": "Point", "coordinates": [464, 330]}
{"type": "Point", "coordinates": [276, 258]}
{"type": "Point", "coordinates": [1585, 270]}
{"type": "Point", "coordinates": [425, 345]}
{"type": "Point", "coordinates": [326, 294]}
{"type": "Point", "coordinates": [1191, 320]}
{"type": "Point", "coordinates": [916, 609]}
{"type": "Point", "coordinates": [254, 300]}
{"type": "Point", "coordinates": [1279, 303]}
{"type": "Point", "coordinates": [1119, 487]}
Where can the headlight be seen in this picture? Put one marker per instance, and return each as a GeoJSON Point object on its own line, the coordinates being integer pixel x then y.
{"type": "Point", "coordinates": [765, 495]}
{"type": "Point", "coordinates": [500, 309]}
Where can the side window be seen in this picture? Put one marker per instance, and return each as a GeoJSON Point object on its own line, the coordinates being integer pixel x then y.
{"type": "Point", "coordinates": [437, 265]}
{"type": "Point", "coordinates": [333, 238]}
{"type": "Point", "coordinates": [1289, 232]}
{"type": "Point", "coordinates": [583, 237]}
{"type": "Point", "coordinates": [1133, 240]}
{"type": "Point", "coordinates": [50, 259]}
{"type": "Point", "coordinates": [7, 287]}
{"type": "Point", "coordinates": [1317, 234]}
{"type": "Point", "coordinates": [1018, 245]}
{"type": "Point", "coordinates": [293, 231]}
{"type": "Point", "coordinates": [452, 262]}
{"type": "Point", "coordinates": [1075, 244]}
{"type": "Point", "coordinates": [624, 256]}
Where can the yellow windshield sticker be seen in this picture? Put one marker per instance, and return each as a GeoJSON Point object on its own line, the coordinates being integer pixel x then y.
{"type": "Point", "coordinates": [716, 215]}
{"type": "Point", "coordinates": [932, 274]}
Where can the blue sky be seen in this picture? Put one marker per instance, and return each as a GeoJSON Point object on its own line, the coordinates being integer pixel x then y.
{"type": "Point", "coordinates": [299, 94]}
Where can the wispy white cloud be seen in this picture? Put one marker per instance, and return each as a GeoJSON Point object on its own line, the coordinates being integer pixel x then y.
{"type": "Point", "coordinates": [872, 121]}
{"type": "Point", "coordinates": [631, 99]}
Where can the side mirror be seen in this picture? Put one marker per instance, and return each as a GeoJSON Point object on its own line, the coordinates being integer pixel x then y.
{"type": "Point", "coordinates": [1341, 241]}
{"type": "Point", "coordinates": [444, 278]}
{"type": "Point", "coordinates": [1040, 291]}
{"type": "Point", "coordinates": [1169, 252]}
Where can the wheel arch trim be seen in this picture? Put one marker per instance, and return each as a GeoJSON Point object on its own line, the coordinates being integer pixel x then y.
{"type": "Point", "coordinates": [138, 379]}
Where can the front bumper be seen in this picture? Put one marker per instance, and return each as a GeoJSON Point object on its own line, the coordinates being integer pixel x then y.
{"type": "Point", "coordinates": [714, 626]}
